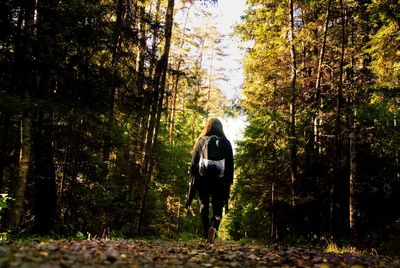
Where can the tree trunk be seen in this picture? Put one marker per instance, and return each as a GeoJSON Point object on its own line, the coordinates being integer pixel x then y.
{"type": "Point", "coordinates": [292, 133]}
{"type": "Point", "coordinates": [209, 83]}
{"type": "Point", "coordinates": [397, 150]}
{"type": "Point", "coordinates": [140, 75]}
{"type": "Point", "coordinates": [23, 57]}
{"type": "Point", "coordinates": [146, 117]}
{"type": "Point", "coordinates": [352, 182]}
{"type": "Point", "coordinates": [118, 34]}
{"type": "Point", "coordinates": [173, 108]}
{"type": "Point", "coordinates": [140, 59]}
{"type": "Point", "coordinates": [176, 81]}
{"type": "Point", "coordinates": [45, 203]}
{"type": "Point", "coordinates": [334, 192]}
{"type": "Point", "coordinates": [43, 171]}
{"type": "Point", "coordinates": [155, 117]}
{"type": "Point", "coordinates": [318, 102]}
{"type": "Point", "coordinates": [5, 126]}
{"type": "Point", "coordinates": [149, 101]}
{"type": "Point", "coordinates": [24, 166]}
{"type": "Point", "coordinates": [273, 233]}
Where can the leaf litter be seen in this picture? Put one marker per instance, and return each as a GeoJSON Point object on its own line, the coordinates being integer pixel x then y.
{"type": "Point", "coordinates": [144, 253]}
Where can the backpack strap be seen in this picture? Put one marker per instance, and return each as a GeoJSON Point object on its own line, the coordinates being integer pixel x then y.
{"type": "Point", "coordinates": [204, 151]}
{"type": "Point", "coordinates": [216, 165]}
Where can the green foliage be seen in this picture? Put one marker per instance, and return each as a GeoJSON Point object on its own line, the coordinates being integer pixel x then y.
{"type": "Point", "coordinates": [3, 201]}
{"type": "Point", "coordinates": [317, 201]}
{"type": "Point", "coordinates": [333, 248]}
{"type": "Point", "coordinates": [188, 236]}
{"type": "Point", "coordinates": [385, 55]}
{"type": "Point", "coordinates": [86, 77]}
{"type": "Point", "coordinates": [246, 241]}
{"type": "Point", "coordinates": [115, 145]}
{"type": "Point", "coordinates": [79, 235]}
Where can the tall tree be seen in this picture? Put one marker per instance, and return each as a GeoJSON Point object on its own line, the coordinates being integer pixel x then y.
{"type": "Point", "coordinates": [23, 57]}
{"type": "Point", "coordinates": [293, 106]}
{"type": "Point", "coordinates": [334, 90]}
{"type": "Point", "coordinates": [335, 187]}
{"type": "Point", "coordinates": [157, 106]}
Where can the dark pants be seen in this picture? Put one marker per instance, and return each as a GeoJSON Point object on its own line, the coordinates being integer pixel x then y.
{"type": "Point", "coordinates": [214, 189]}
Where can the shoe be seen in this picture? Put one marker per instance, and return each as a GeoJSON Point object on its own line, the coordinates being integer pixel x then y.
{"type": "Point", "coordinates": [211, 235]}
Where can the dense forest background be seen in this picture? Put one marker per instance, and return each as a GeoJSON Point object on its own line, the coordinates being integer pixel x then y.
{"type": "Point", "coordinates": [320, 155]}
{"type": "Point", "coordinates": [102, 101]}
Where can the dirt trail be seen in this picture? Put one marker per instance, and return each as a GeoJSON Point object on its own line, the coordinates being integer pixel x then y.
{"type": "Point", "coordinates": [140, 253]}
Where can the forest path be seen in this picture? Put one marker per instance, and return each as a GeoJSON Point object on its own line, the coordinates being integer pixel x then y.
{"type": "Point", "coordinates": [140, 253]}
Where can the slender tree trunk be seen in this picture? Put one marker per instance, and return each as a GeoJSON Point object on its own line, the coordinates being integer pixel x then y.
{"type": "Point", "coordinates": [140, 60]}
{"type": "Point", "coordinates": [318, 102]}
{"type": "Point", "coordinates": [43, 172]}
{"type": "Point", "coordinates": [199, 64]}
{"type": "Point", "coordinates": [338, 128]}
{"type": "Point", "coordinates": [176, 81]}
{"type": "Point", "coordinates": [292, 133]}
{"type": "Point", "coordinates": [159, 92]}
{"type": "Point", "coordinates": [24, 166]}
{"type": "Point", "coordinates": [45, 203]}
{"type": "Point", "coordinates": [147, 117]}
{"type": "Point", "coordinates": [118, 33]}
{"type": "Point", "coordinates": [352, 198]}
{"type": "Point", "coordinates": [272, 211]}
{"type": "Point", "coordinates": [150, 99]}
{"type": "Point", "coordinates": [25, 83]}
{"type": "Point", "coordinates": [397, 149]}
{"type": "Point", "coordinates": [352, 182]}
{"type": "Point", "coordinates": [72, 203]}
{"type": "Point", "coordinates": [140, 73]}
{"type": "Point", "coordinates": [5, 126]}
{"type": "Point", "coordinates": [173, 108]}
{"type": "Point", "coordinates": [209, 83]}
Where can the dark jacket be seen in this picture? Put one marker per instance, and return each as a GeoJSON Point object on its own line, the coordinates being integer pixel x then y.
{"type": "Point", "coordinates": [194, 169]}
{"type": "Point", "coordinates": [227, 147]}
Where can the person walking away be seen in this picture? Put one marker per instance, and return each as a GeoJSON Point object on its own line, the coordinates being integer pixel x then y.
{"type": "Point", "coordinates": [211, 175]}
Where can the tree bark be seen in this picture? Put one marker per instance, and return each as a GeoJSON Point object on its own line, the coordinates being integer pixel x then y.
{"type": "Point", "coordinates": [118, 34]}
{"type": "Point", "coordinates": [24, 166]}
{"type": "Point", "coordinates": [155, 117]}
{"type": "Point", "coordinates": [149, 100]}
{"type": "Point", "coordinates": [334, 202]}
{"type": "Point", "coordinates": [352, 182]}
{"type": "Point", "coordinates": [5, 126]}
{"type": "Point", "coordinates": [292, 132]}
{"type": "Point", "coordinates": [318, 103]}
{"type": "Point", "coordinates": [209, 83]}
{"type": "Point", "coordinates": [140, 59]}
{"type": "Point", "coordinates": [23, 57]}
{"type": "Point", "coordinates": [176, 81]}
{"type": "Point", "coordinates": [45, 203]}
{"type": "Point", "coordinates": [272, 211]}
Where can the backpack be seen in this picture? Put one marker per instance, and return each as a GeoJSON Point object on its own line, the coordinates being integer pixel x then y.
{"type": "Point", "coordinates": [212, 157]}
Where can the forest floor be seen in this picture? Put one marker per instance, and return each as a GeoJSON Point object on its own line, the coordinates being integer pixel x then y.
{"type": "Point", "coordinates": [143, 253]}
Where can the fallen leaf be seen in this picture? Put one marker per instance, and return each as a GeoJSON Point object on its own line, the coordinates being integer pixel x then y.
{"type": "Point", "coordinates": [44, 253]}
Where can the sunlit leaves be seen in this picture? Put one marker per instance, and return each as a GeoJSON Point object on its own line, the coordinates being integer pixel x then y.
{"type": "Point", "coordinates": [385, 53]}
{"type": "Point", "coordinates": [369, 82]}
